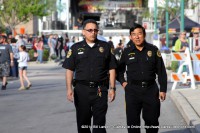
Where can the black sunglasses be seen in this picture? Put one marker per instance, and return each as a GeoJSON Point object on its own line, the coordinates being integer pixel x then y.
{"type": "Point", "coordinates": [92, 30]}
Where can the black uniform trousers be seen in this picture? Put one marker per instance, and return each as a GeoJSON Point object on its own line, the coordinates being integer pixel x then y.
{"type": "Point", "coordinates": [145, 100]}
{"type": "Point", "coordinates": [88, 104]}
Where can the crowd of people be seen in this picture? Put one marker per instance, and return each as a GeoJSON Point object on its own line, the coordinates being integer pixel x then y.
{"type": "Point", "coordinates": [13, 61]}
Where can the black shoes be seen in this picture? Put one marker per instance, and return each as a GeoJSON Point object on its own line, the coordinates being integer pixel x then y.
{"type": "Point", "coordinates": [4, 86]}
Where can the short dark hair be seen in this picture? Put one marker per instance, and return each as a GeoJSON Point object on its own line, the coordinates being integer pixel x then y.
{"type": "Point", "coordinates": [23, 47]}
{"type": "Point", "coordinates": [135, 26]}
{"type": "Point", "coordinates": [13, 40]}
{"type": "Point", "coordinates": [89, 21]}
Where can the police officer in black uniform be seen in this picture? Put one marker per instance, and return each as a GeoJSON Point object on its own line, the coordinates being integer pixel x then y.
{"type": "Point", "coordinates": [94, 65]}
{"type": "Point", "coordinates": [143, 62]}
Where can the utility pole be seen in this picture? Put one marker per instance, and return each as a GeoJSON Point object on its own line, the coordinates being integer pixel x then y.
{"type": "Point", "coordinates": [67, 7]}
{"type": "Point", "coordinates": [167, 22]}
{"type": "Point", "coordinates": [155, 17]}
{"type": "Point", "coordinates": [182, 16]}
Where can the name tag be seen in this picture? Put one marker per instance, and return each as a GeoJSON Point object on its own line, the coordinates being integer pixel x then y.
{"type": "Point", "coordinates": [131, 58]}
{"type": "Point", "coordinates": [2, 47]}
{"type": "Point", "coordinates": [80, 52]}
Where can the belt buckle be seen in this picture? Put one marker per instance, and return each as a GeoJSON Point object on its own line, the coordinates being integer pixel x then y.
{"type": "Point", "coordinates": [144, 84]}
{"type": "Point", "coordinates": [92, 84]}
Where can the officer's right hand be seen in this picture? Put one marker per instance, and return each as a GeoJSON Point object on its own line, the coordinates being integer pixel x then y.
{"type": "Point", "coordinates": [124, 84]}
{"type": "Point", "coordinates": [70, 95]}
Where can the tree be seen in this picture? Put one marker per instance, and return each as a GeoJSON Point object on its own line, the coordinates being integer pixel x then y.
{"type": "Point", "coordinates": [173, 8]}
{"type": "Point", "coordinates": [14, 12]}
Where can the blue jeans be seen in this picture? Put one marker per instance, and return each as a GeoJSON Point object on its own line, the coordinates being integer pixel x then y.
{"type": "Point", "coordinates": [14, 69]}
{"type": "Point", "coordinates": [40, 55]}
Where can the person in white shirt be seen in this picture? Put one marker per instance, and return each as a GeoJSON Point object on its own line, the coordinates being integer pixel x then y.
{"type": "Point", "coordinates": [196, 48]}
{"type": "Point", "coordinates": [23, 64]}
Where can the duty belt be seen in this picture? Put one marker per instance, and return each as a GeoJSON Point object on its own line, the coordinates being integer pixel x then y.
{"type": "Point", "coordinates": [92, 84]}
{"type": "Point", "coordinates": [143, 84]}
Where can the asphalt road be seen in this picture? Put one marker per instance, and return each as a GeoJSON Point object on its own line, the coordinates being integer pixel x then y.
{"type": "Point", "coordinates": [44, 108]}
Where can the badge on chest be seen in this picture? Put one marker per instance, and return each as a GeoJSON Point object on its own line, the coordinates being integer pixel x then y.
{"type": "Point", "coordinates": [149, 53]}
{"type": "Point", "coordinates": [81, 51]}
{"type": "Point", "coordinates": [131, 56]}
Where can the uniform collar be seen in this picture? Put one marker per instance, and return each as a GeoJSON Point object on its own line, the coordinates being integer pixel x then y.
{"type": "Point", "coordinates": [132, 45]}
{"type": "Point", "coordinates": [97, 43]}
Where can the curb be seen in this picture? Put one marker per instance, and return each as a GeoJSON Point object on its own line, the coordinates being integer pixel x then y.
{"type": "Point", "coordinates": [186, 110]}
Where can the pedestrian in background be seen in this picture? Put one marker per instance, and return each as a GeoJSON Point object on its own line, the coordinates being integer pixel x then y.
{"type": "Point", "coordinates": [95, 67]}
{"type": "Point", "coordinates": [196, 49]}
{"type": "Point", "coordinates": [143, 62]}
{"type": "Point", "coordinates": [21, 40]}
{"type": "Point", "coordinates": [196, 42]}
{"type": "Point", "coordinates": [15, 49]}
{"type": "Point", "coordinates": [59, 46]}
{"type": "Point", "coordinates": [51, 44]}
{"type": "Point", "coordinates": [174, 38]}
{"type": "Point", "coordinates": [6, 60]}
{"type": "Point", "coordinates": [180, 46]}
{"type": "Point", "coordinates": [111, 43]}
{"type": "Point", "coordinates": [181, 43]}
{"type": "Point", "coordinates": [23, 64]}
{"type": "Point", "coordinates": [39, 47]}
{"type": "Point", "coordinates": [163, 40]}
{"type": "Point", "coordinates": [118, 50]}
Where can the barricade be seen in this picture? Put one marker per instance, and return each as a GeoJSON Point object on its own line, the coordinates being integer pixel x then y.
{"type": "Point", "coordinates": [184, 77]}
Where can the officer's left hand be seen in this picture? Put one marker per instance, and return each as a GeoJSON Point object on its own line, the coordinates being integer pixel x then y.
{"type": "Point", "coordinates": [111, 95]}
{"type": "Point", "coordinates": [162, 96]}
{"type": "Point", "coordinates": [11, 63]}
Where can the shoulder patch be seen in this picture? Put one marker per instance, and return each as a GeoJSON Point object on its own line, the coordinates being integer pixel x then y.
{"type": "Point", "coordinates": [158, 53]}
{"type": "Point", "coordinates": [69, 53]}
{"type": "Point", "coordinates": [112, 51]}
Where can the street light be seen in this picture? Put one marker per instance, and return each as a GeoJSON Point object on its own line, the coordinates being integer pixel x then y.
{"type": "Point", "coordinates": [182, 15]}
{"type": "Point", "coordinates": [167, 22]}
{"type": "Point", "coordinates": [155, 17]}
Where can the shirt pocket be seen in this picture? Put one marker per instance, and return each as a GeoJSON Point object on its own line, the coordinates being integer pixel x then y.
{"type": "Point", "coordinates": [81, 61]}
{"type": "Point", "coordinates": [132, 65]}
{"type": "Point", "coordinates": [100, 60]}
{"type": "Point", "coordinates": [149, 64]}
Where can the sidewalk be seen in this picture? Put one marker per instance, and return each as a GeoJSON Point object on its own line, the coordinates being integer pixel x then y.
{"type": "Point", "coordinates": [188, 103]}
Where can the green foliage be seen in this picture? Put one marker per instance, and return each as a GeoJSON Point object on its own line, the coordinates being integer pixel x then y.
{"type": "Point", "coordinates": [45, 54]}
{"type": "Point", "coordinates": [174, 66]}
{"type": "Point", "coordinates": [53, 56]}
{"type": "Point", "coordinates": [13, 12]}
{"type": "Point", "coordinates": [31, 55]}
{"type": "Point", "coordinates": [146, 13]}
{"type": "Point", "coordinates": [168, 68]}
{"type": "Point", "coordinates": [173, 8]}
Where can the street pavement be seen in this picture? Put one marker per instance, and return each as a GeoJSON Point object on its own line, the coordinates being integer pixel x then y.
{"type": "Point", "coordinates": [44, 108]}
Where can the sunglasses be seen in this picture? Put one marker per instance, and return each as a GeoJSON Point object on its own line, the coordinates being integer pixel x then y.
{"type": "Point", "coordinates": [92, 30]}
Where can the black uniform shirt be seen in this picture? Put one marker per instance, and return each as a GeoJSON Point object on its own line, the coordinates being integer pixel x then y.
{"type": "Point", "coordinates": [90, 64]}
{"type": "Point", "coordinates": [143, 65]}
